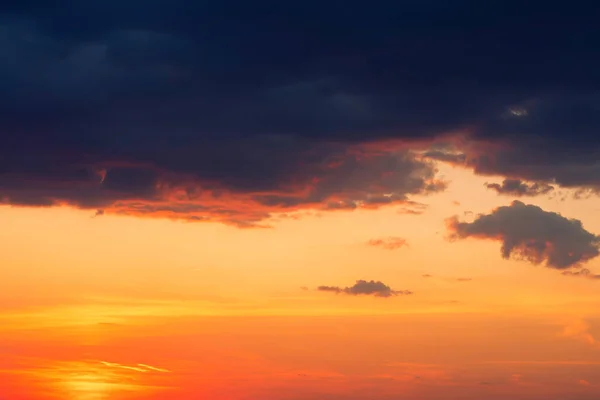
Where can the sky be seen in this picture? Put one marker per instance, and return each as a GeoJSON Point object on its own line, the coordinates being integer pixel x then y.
{"type": "Point", "coordinates": [299, 200]}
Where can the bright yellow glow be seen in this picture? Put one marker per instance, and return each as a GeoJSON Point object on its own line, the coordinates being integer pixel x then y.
{"type": "Point", "coordinates": [87, 386]}
{"type": "Point", "coordinates": [94, 380]}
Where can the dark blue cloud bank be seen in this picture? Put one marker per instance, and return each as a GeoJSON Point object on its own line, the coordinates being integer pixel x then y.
{"type": "Point", "coordinates": [235, 110]}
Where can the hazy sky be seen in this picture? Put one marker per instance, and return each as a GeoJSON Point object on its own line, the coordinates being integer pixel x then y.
{"type": "Point", "coordinates": [299, 201]}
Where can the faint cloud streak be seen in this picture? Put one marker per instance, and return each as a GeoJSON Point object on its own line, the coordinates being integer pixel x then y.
{"type": "Point", "coordinates": [389, 243]}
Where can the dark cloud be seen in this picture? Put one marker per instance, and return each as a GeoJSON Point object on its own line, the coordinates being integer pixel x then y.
{"type": "Point", "coordinates": [543, 129]}
{"type": "Point", "coordinates": [427, 276]}
{"type": "Point", "coordinates": [336, 178]}
{"type": "Point", "coordinates": [530, 233]}
{"type": "Point", "coordinates": [518, 188]}
{"type": "Point", "coordinates": [583, 272]}
{"type": "Point", "coordinates": [544, 140]}
{"type": "Point", "coordinates": [389, 243]}
{"type": "Point", "coordinates": [233, 112]}
{"type": "Point", "coordinates": [362, 287]}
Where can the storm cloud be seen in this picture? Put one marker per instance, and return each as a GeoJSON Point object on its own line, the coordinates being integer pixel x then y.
{"type": "Point", "coordinates": [531, 143]}
{"type": "Point", "coordinates": [528, 232]}
{"type": "Point", "coordinates": [232, 111]}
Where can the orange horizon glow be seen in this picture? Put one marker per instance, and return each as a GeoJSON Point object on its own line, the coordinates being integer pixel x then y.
{"type": "Point", "coordinates": [119, 307]}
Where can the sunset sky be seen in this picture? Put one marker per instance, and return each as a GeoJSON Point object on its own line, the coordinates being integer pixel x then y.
{"type": "Point", "coordinates": [310, 200]}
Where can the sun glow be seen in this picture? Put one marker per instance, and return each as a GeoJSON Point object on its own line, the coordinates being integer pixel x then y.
{"type": "Point", "coordinates": [100, 380]}
{"type": "Point", "coordinates": [92, 386]}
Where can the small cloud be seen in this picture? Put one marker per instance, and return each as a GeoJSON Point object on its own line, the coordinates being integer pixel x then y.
{"type": "Point", "coordinates": [528, 232]}
{"type": "Point", "coordinates": [409, 211]}
{"type": "Point", "coordinates": [413, 208]}
{"type": "Point", "coordinates": [518, 112]}
{"type": "Point", "coordinates": [389, 243]}
{"type": "Point", "coordinates": [584, 193]}
{"type": "Point", "coordinates": [451, 157]}
{"type": "Point", "coordinates": [116, 365]}
{"type": "Point", "coordinates": [335, 289]}
{"type": "Point", "coordinates": [464, 279]}
{"type": "Point", "coordinates": [427, 276]}
{"type": "Point", "coordinates": [583, 272]}
{"type": "Point", "coordinates": [362, 287]}
{"type": "Point", "coordinates": [98, 213]}
{"type": "Point", "coordinates": [519, 188]}
{"type": "Point", "coordinates": [583, 382]}
{"type": "Point", "coordinates": [303, 288]}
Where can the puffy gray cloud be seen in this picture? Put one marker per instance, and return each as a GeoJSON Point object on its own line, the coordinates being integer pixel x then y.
{"type": "Point", "coordinates": [362, 287]}
{"type": "Point", "coordinates": [530, 233]}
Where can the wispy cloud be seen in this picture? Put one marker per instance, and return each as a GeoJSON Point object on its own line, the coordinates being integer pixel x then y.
{"type": "Point", "coordinates": [389, 243]}
{"type": "Point", "coordinates": [583, 273]}
{"type": "Point", "coordinates": [151, 368]}
{"type": "Point", "coordinates": [138, 367]}
{"type": "Point", "coordinates": [519, 188]}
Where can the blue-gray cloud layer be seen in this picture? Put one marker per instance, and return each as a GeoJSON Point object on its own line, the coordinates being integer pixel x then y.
{"type": "Point", "coordinates": [252, 97]}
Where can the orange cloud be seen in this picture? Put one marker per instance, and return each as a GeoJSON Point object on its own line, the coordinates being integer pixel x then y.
{"type": "Point", "coordinates": [580, 330]}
